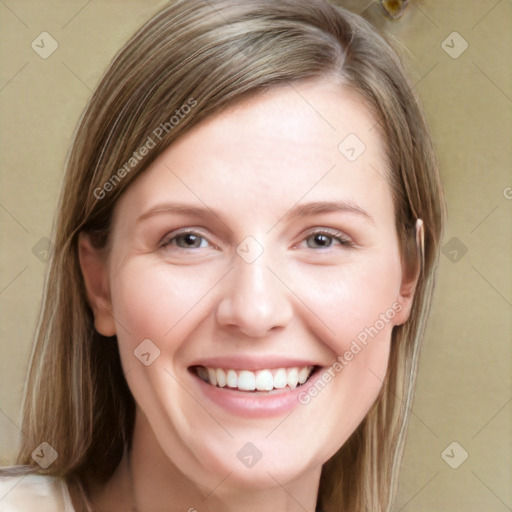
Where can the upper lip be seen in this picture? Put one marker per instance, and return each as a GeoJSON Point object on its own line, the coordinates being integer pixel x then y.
{"type": "Point", "coordinates": [253, 363]}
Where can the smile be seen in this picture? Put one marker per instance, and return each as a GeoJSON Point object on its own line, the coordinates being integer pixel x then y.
{"type": "Point", "coordinates": [260, 380]}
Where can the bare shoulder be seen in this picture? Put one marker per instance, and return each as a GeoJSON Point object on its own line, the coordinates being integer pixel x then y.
{"type": "Point", "coordinates": [33, 492]}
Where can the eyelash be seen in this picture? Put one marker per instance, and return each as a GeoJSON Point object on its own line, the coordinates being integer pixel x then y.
{"type": "Point", "coordinates": [169, 240]}
{"type": "Point", "coordinates": [332, 234]}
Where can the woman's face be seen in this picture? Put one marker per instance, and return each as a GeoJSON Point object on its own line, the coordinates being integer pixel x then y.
{"type": "Point", "coordinates": [257, 251]}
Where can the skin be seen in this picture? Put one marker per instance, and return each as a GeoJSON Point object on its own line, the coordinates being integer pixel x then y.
{"type": "Point", "coordinates": [252, 164]}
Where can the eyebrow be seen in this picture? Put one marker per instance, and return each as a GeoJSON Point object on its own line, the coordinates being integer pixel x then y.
{"type": "Point", "coordinates": [178, 208]}
{"type": "Point", "coordinates": [298, 211]}
{"type": "Point", "coordinates": [318, 207]}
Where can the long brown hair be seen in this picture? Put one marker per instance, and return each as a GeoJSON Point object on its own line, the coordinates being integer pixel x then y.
{"type": "Point", "coordinates": [207, 55]}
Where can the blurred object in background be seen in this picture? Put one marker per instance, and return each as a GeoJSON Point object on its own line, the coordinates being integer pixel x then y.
{"type": "Point", "coordinates": [393, 8]}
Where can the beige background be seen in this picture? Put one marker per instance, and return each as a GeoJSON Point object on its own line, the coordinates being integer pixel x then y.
{"type": "Point", "coordinates": [464, 391]}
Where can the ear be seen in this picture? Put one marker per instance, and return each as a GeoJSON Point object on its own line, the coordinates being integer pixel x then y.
{"type": "Point", "coordinates": [95, 274]}
{"type": "Point", "coordinates": [412, 265]}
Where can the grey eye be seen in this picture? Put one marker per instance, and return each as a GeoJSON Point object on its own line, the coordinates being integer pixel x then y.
{"type": "Point", "coordinates": [319, 240]}
{"type": "Point", "coordinates": [189, 241]}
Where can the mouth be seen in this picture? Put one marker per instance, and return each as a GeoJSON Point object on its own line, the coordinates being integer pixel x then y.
{"type": "Point", "coordinates": [265, 380]}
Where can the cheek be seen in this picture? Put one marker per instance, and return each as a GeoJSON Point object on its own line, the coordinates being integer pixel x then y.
{"type": "Point", "coordinates": [357, 306]}
{"type": "Point", "coordinates": [157, 303]}
{"type": "Point", "coordinates": [153, 302]}
{"type": "Point", "coordinates": [357, 301]}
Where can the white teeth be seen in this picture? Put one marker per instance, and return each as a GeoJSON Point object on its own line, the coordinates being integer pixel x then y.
{"type": "Point", "coordinates": [232, 379]}
{"type": "Point", "coordinates": [212, 376]}
{"type": "Point", "coordinates": [221, 377]}
{"type": "Point", "coordinates": [262, 380]}
{"type": "Point", "coordinates": [303, 375]}
{"type": "Point", "coordinates": [293, 377]}
{"type": "Point", "coordinates": [246, 381]}
{"type": "Point", "coordinates": [280, 379]}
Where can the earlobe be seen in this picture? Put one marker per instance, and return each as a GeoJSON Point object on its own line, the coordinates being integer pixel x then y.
{"type": "Point", "coordinates": [410, 275]}
{"type": "Point", "coordinates": [95, 274]}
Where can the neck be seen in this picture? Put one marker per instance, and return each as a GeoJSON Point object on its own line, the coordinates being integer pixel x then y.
{"type": "Point", "coordinates": [147, 481]}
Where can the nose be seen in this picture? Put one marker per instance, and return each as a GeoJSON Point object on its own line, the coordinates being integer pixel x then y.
{"type": "Point", "coordinates": [254, 300]}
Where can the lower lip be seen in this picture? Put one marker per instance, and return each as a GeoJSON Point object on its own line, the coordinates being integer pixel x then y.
{"type": "Point", "coordinates": [256, 404]}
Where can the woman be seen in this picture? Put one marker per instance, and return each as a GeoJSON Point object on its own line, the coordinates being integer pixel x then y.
{"type": "Point", "coordinates": [244, 261]}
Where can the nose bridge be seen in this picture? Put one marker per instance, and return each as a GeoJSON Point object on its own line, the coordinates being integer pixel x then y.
{"type": "Point", "coordinates": [253, 300]}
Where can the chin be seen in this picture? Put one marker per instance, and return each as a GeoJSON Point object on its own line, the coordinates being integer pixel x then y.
{"type": "Point", "coordinates": [250, 468]}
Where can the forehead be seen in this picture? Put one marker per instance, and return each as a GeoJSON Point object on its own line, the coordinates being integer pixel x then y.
{"type": "Point", "coordinates": [308, 139]}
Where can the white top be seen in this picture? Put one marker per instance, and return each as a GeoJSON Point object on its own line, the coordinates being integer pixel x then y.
{"type": "Point", "coordinates": [39, 493]}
